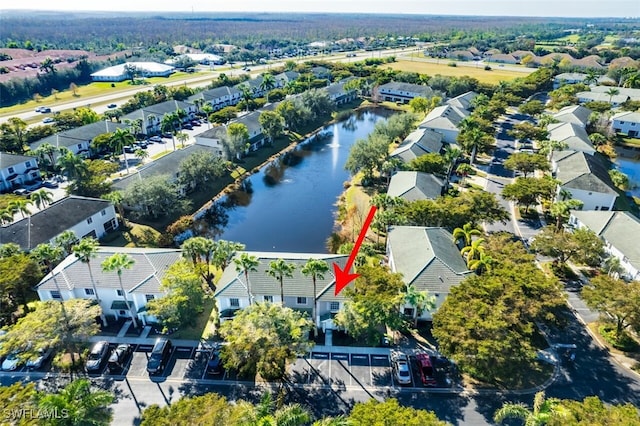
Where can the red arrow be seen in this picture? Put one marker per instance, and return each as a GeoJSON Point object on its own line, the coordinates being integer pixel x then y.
{"type": "Point", "coordinates": [343, 277]}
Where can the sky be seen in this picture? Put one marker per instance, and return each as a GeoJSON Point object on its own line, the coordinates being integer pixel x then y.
{"type": "Point", "coordinates": [561, 8]}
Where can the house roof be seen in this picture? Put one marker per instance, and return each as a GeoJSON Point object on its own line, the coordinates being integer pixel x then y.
{"type": "Point", "coordinates": [232, 283]}
{"type": "Point", "coordinates": [574, 135]}
{"type": "Point", "coordinates": [419, 142]}
{"type": "Point", "coordinates": [624, 91]}
{"type": "Point", "coordinates": [398, 86]}
{"type": "Point", "coordinates": [145, 277]}
{"type": "Point", "coordinates": [576, 114]}
{"type": "Point", "coordinates": [615, 227]}
{"type": "Point", "coordinates": [165, 107]}
{"type": "Point", "coordinates": [503, 57]}
{"type": "Point", "coordinates": [463, 101]}
{"type": "Point", "coordinates": [287, 76]}
{"type": "Point", "coordinates": [251, 120]}
{"type": "Point", "coordinates": [216, 93]}
{"type": "Point", "coordinates": [582, 171]}
{"type": "Point", "coordinates": [166, 165]}
{"type": "Point", "coordinates": [631, 116]}
{"type": "Point", "coordinates": [10, 160]}
{"type": "Point", "coordinates": [602, 97]}
{"type": "Point", "coordinates": [426, 257]}
{"type": "Point", "coordinates": [118, 70]}
{"type": "Point", "coordinates": [80, 134]}
{"type": "Point", "coordinates": [413, 186]}
{"type": "Point", "coordinates": [446, 117]}
{"type": "Point", "coordinates": [46, 224]}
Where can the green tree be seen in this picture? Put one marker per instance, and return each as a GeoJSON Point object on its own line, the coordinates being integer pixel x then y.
{"type": "Point", "coordinates": [201, 252]}
{"type": "Point", "coordinates": [71, 165]}
{"type": "Point", "coordinates": [466, 234]}
{"type": "Point", "coordinates": [528, 131]}
{"type": "Point", "coordinates": [116, 199]}
{"type": "Point", "coordinates": [236, 140]}
{"type": "Point", "coordinates": [268, 83]}
{"type": "Point", "coordinates": [527, 191]}
{"type": "Point", "coordinates": [372, 304]}
{"type": "Point", "coordinates": [263, 338]}
{"type": "Point", "coordinates": [429, 163]}
{"type": "Point", "coordinates": [184, 298]}
{"type": "Point", "coordinates": [41, 198]}
{"type": "Point", "coordinates": [279, 269]}
{"type": "Point", "coordinates": [18, 128]}
{"type": "Point", "coordinates": [547, 147]}
{"type": "Point", "coordinates": [19, 398]}
{"type": "Point", "coordinates": [272, 124]}
{"type": "Point", "coordinates": [581, 246]}
{"type": "Point", "coordinates": [169, 124]}
{"type": "Point", "coordinates": [419, 105]}
{"type": "Point", "coordinates": [246, 263]}
{"type": "Point", "coordinates": [94, 180]}
{"type": "Point", "coordinates": [182, 138]}
{"type": "Point", "coordinates": [85, 250]}
{"type": "Point", "coordinates": [154, 197]}
{"type": "Point", "coordinates": [483, 263]}
{"type": "Point", "coordinates": [199, 168]}
{"type": "Point", "coordinates": [616, 298]}
{"type": "Point", "coordinates": [619, 179]}
{"type": "Point", "coordinates": [534, 107]}
{"type": "Point", "coordinates": [19, 273]}
{"type": "Point", "coordinates": [316, 269]}
{"type": "Point", "coordinates": [118, 262]}
{"type": "Point", "coordinates": [20, 205]}
{"type": "Point", "coordinates": [81, 404]}
{"type": "Point", "coordinates": [562, 209]}
{"type": "Point", "coordinates": [66, 240]}
{"type": "Point", "coordinates": [367, 155]}
{"type": "Point", "coordinates": [390, 412]}
{"type": "Point", "coordinates": [209, 409]}
{"type": "Point", "coordinates": [526, 163]}
{"type": "Point", "coordinates": [119, 139]}
{"type": "Point", "coordinates": [421, 301]}
{"type": "Point", "coordinates": [592, 411]}
{"type": "Point", "coordinates": [474, 141]}
{"type": "Point", "coordinates": [473, 251]}
{"type": "Point", "coordinates": [543, 408]}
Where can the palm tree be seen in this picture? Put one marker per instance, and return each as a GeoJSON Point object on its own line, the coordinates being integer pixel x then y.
{"type": "Point", "coordinates": [473, 250]}
{"type": "Point", "coordinates": [484, 263]}
{"type": "Point", "coordinates": [420, 300]}
{"type": "Point", "coordinates": [119, 139]}
{"type": "Point", "coordinates": [116, 198]}
{"type": "Point", "coordinates": [466, 234]}
{"type": "Point", "coordinates": [47, 151]}
{"type": "Point", "coordinates": [632, 81]}
{"type": "Point", "coordinates": [265, 414]}
{"type": "Point", "coordinates": [591, 78]}
{"type": "Point", "coordinates": [71, 165]}
{"type": "Point", "coordinates": [168, 124]}
{"type": "Point", "coordinates": [6, 216]}
{"type": "Point", "coordinates": [86, 250]}
{"type": "Point", "coordinates": [472, 140]}
{"type": "Point", "coordinates": [612, 92]}
{"type": "Point", "coordinates": [182, 137]}
{"type": "Point", "coordinates": [333, 421]}
{"type": "Point", "coordinates": [141, 154]}
{"type": "Point", "coordinates": [118, 262]}
{"type": "Point", "coordinates": [41, 198]}
{"type": "Point", "coordinates": [200, 251]}
{"type": "Point", "coordinates": [464, 170]}
{"type": "Point", "coordinates": [543, 410]}
{"type": "Point", "coordinates": [268, 83]}
{"type": "Point", "coordinates": [451, 155]}
{"type": "Point", "coordinates": [548, 147]}
{"type": "Point", "coordinates": [151, 123]}
{"type": "Point", "coordinates": [81, 405]}
{"type": "Point", "coordinates": [247, 263]}
{"type": "Point", "coordinates": [66, 240]}
{"type": "Point", "coordinates": [19, 205]}
{"type": "Point", "coordinates": [279, 269]}
{"type": "Point", "coordinates": [225, 251]}
{"type": "Point", "coordinates": [247, 95]}
{"type": "Point", "coordinates": [315, 269]}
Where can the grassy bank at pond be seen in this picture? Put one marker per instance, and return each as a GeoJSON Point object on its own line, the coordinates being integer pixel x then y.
{"type": "Point", "coordinates": [493, 76]}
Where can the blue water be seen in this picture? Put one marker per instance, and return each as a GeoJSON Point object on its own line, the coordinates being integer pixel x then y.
{"type": "Point", "coordinates": [290, 204]}
{"type": "Point", "coordinates": [631, 168]}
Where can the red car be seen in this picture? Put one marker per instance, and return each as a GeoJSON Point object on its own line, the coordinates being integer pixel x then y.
{"type": "Point", "coordinates": [426, 369]}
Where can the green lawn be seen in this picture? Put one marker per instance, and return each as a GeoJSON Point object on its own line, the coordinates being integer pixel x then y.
{"type": "Point", "coordinates": [494, 76]}
{"type": "Point", "coordinates": [195, 332]}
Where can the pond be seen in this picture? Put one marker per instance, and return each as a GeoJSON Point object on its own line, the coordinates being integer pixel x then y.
{"type": "Point", "coordinates": [290, 204]}
{"type": "Point", "coordinates": [631, 168]}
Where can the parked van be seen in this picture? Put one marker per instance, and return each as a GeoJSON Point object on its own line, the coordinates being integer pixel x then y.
{"type": "Point", "coordinates": [159, 356]}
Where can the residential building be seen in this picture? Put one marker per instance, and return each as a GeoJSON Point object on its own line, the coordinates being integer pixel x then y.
{"type": "Point", "coordinates": [232, 291]}
{"type": "Point", "coordinates": [167, 165]}
{"type": "Point", "coordinates": [339, 94]}
{"type": "Point", "coordinates": [78, 140]}
{"type": "Point", "coordinates": [578, 77]}
{"type": "Point", "coordinates": [152, 115]}
{"type": "Point", "coordinates": [428, 259]}
{"type": "Point", "coordinates": [631, 94]}
{"type": "Point", "coordinates": [574, 114]}
{"type": "Point", "coordinates": [617, 229]}
{"type": "Point", "coordinates": [321, 72]}
{"type": "Point", "coordinates": [503, 58]}
{"type": "Point", "coordinates": [219, 97]}
{"type": "Point", "coordinates": [285, 77]}
{"type": "Point", "coordinates": [203, 58]}
{"type": "Point", "coordinates": [461, 55]}
{"type": "Point", "coordinates": [143, 69]}
{"type": "Point", "coordinates": [445, 120]}
{"type": "Point", "coordinates": [592, 96]}
{"type": "Point", "coordinates": [396, 91]}
{"type": "Point", "coordinates": [414, 186]}
{"type": "Point", "coordinates": [16, 170]}
{"type": "Point", "coordinates": [141, 283]}
{"type": "Point", "coordinates": [586, 178]}
{"type": "Point", "coordinates": [574, 135]}
{"type": "Point", "coordinates": [626, 122]}
{"type": "Point", "coordinates": [419, 142]}
{"type": "Point", "coordinates": [464, 101]}
{"type": "Point", "coordinates": [85, 217]}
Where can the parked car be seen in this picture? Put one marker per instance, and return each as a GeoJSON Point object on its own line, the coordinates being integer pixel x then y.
{"type": "Point", "coordinates": [50, 183]}
{"type": "Point", "coordinates": [159, 356]}
{"type": "Point", "coordinates": [167, 135]}
{"type": "Point", "coordinates": [21, 191]}
{"type": "Point", "coordinates": [34, 186]}
{"type": "Point", "coordinates": [142, 145]}
{"type": "Point", "coordinates": [196, 123]}
{"type": "Point", "coordinates": [119, 357]}
{"type": "Point", "coordinates": [155, 139]}
{"type": "Point", "coordinates": [401, 369]}
{"type": "Point", "coordinates": [214, 364]}
{"type": "Point", "coordinates": [97, 355]}
{"type": "Point", "coordinates": [187, 126]}
{"type": "Point", "coordinates": [11, 362]}
{"type": "Point", "coordinates": [43, 355]}
{"type": "Point", "coordinates": [129, 149]}
{"type": "Point", "coordinates": [111, 106]}
{"type": "Point", "coordinates": [426, 369]}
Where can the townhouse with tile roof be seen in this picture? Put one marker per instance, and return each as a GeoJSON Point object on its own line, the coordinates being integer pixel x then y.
{"type": "Point", "coordinates": [396, 91]}
{"type": "Point", "coordinates": [418, 143]}
{"type": "Point", "coordinates": [574, 114]}
{"type": "Point", "coordinates": [414, 186]}
{"type": "Point", "coordinates": [445, 120]}
{"type": "Point", "coordinates": [573, 135]}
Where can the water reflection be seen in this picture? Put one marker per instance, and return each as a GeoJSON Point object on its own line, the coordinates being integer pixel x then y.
{"type": "Point", "coordinates": [289, 204]}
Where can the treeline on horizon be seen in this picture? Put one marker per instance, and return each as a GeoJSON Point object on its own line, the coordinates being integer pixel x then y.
{"type": "Point", "coordinates": [103, 33]}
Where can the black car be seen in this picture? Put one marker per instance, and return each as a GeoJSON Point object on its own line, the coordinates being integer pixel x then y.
{"type": "Point", "coordinates": [119, 357]}
{"type": "Point", "coordinates": [187, 126]}
{"type": "Point", "coordinates": [111, 106]}
{"type": "Point", "coordinates": [159, 356]}
{"type": "Point", "coordinates": [129, 149]}
{"type": "Point", "coordinates": [214, 364]}
{"type": "Point", "coordinates": [167, 135]}
{"type": "Point", "coordinates": [142, 145]}
{"type": "Point", "coordinates": [97, 355]}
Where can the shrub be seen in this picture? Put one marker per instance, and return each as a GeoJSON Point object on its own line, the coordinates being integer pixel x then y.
{"type": "Point", "coordinates": [487, 68]}
{"type": "Point", "coordinates": [624, 342]}
{"type": "Point", "coordinates": [452, 64]}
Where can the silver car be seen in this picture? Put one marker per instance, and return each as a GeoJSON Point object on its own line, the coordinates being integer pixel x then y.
{"type": "Point", "coordinates": [401, 369]}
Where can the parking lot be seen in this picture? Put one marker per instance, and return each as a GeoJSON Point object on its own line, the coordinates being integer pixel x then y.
{"type": "Point", "coordinates": [336, 369]}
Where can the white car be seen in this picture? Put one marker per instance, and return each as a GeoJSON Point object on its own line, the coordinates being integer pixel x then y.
{"type": "Point", "coordinates": [11, 362]}
{"type": "Point", "coordinates": [401, 369]}
{"type": "Point", "coordinates": [48, 120]}
{"type": "Point", "coordinates": [43, 355]}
